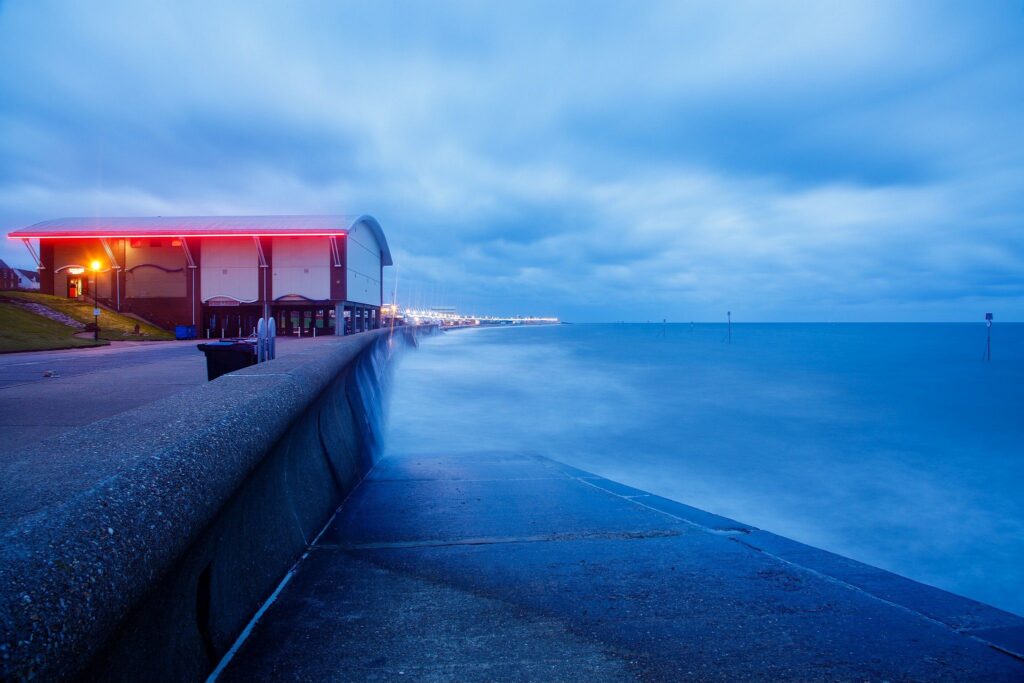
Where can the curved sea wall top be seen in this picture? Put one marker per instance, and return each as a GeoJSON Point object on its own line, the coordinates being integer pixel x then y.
{"type": "Point", "coordinates": [140, 545]}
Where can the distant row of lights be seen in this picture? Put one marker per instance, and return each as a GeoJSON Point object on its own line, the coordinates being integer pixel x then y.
{"type": "Point", "coordinates": [416, 314]}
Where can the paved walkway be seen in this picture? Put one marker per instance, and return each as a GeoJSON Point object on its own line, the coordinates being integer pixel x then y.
{"type": "Point", "coordinates": [94, 383]}
{"type": "Point", "coordinates": [505, 567]}
{"type": "Point", "coordinates": [90, 384]}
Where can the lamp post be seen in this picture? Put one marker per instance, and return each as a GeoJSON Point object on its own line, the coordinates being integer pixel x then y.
{"type": "Point", "coordinates": [94, 266]}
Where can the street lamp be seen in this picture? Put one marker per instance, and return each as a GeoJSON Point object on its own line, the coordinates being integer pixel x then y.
{"type": "Point", "coordinates": [94, 266]}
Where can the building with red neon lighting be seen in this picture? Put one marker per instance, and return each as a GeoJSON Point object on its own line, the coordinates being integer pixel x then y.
{"type": "Point", "coordinates": [220, 274]}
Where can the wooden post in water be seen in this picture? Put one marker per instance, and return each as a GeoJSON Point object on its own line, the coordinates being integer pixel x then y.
{"type": "Point", "coordinates": [728, 317]}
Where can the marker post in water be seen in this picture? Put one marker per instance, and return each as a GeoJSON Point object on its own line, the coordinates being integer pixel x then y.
{"type": "Point", "coordinates": [728, 317]}
{"type": "Point", "coordinates": [988, 341]}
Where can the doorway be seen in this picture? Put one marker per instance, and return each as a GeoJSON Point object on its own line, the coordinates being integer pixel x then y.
{"type": "Point", "coordinates": [229, 321]}
{"type": "Point", "coordinates": [304, 321]}
{"type": "Point", "coordinates": [78, 287]}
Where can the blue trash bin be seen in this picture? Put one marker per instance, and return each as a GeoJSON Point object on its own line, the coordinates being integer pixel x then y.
{"type": "Point", "coordinates": [185, 332]}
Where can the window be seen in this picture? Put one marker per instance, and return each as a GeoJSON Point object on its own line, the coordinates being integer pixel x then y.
{"type": "Point", "coordinates": [175, 243]}
{"type": "Point", "coordinates": [155, 243]}
{"type": "Point", "coordinates": [135, 244]}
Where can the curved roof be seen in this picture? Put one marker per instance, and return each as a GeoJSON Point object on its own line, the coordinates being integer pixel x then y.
{"type": "Point", "coordinates": [378, 232]}
{"type": "Point", "coordinates": [204, 226]}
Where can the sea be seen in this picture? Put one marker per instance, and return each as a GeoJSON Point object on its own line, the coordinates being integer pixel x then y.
{"type": "Point", "coordinates": [899, 445]}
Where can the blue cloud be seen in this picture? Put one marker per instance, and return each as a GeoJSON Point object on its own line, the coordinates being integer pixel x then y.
{"type": "Point", "coordinates": [595, 161]}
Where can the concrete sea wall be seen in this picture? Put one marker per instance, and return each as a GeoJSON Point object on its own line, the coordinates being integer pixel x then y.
{"type": "Point", "coordinates": [144, 555]}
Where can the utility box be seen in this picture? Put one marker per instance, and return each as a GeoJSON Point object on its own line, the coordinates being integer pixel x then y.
{"type": "Point", "coordinates": [185, 332]}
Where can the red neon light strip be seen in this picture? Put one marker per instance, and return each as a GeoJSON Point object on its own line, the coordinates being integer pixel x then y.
{"type": "Point", "coordinates": [27, 236]}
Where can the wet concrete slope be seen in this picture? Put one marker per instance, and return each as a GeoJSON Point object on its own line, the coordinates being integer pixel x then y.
{"type": "Point", "coordinates": [500, 566]}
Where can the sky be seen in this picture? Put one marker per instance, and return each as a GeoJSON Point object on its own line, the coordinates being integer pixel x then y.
{"type": "Point", "coordinates": [597, 161]}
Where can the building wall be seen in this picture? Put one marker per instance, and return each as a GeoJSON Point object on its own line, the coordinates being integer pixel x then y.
{"type": "Point", "coordinates": [363, 266]}
{"type": "Point", "coordinates": [74, 253]}
{"type": "Point", "coordinates": [166, 312]}
{"type": "Point", "coordinates": [26, 280]}
{"type": "Point", "coordinates": [265, 283]}
{"type": "Point", "coordinates": [156, 282]}
{"type": "Point", "coordinates": [80, 253]}
{"type": "Point", "coordinates": [77, 253]}
{"type": "Point", "coordinates": [229, 268]}
{"type": "Point", "coordinates": [8, 278]}
{"type": "Point", "coordinates": [302, 267]}
{"type": "Point", "coordinates": [154, 269]}
{"type": "Point", "coordinates": [339, 273]}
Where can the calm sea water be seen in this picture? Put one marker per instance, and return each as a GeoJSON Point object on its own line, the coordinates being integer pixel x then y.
{"type": "Point", "coordinates": [892, 444]}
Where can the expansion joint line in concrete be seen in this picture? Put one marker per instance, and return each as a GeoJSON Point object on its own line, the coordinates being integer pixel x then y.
{"type": "Point", "coordinates": [478, 481]}
{"type": "Point", "coordinates": [635, 501]}
{"type": "Point", "coordinates": [500, 540]}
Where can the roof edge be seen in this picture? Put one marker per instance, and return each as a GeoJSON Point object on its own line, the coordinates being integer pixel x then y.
{"type": "Point", "coordinates": [378, 232]}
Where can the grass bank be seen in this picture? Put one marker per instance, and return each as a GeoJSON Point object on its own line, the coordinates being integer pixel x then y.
{"type": "Point", "coordinates": [113, 325]}
{"type": "Point", "coordinates": [21, 330]}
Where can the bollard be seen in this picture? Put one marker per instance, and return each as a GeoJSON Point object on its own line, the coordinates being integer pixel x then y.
{"type": "Point", "coordinates": [271, 339]}
{"type": "Point", "coordinates": [260, 331]}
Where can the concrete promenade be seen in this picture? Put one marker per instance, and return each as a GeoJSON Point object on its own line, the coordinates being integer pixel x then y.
{"type": "Point", "coordinates": [138, 546]}
{"type": "Point", "coordinates": [92, 384]}
{"type": "Point", "coordinates": [506, 567]}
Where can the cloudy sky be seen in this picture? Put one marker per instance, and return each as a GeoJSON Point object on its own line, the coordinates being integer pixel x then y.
{"type": "Point", "coordinates": [592, 160]}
